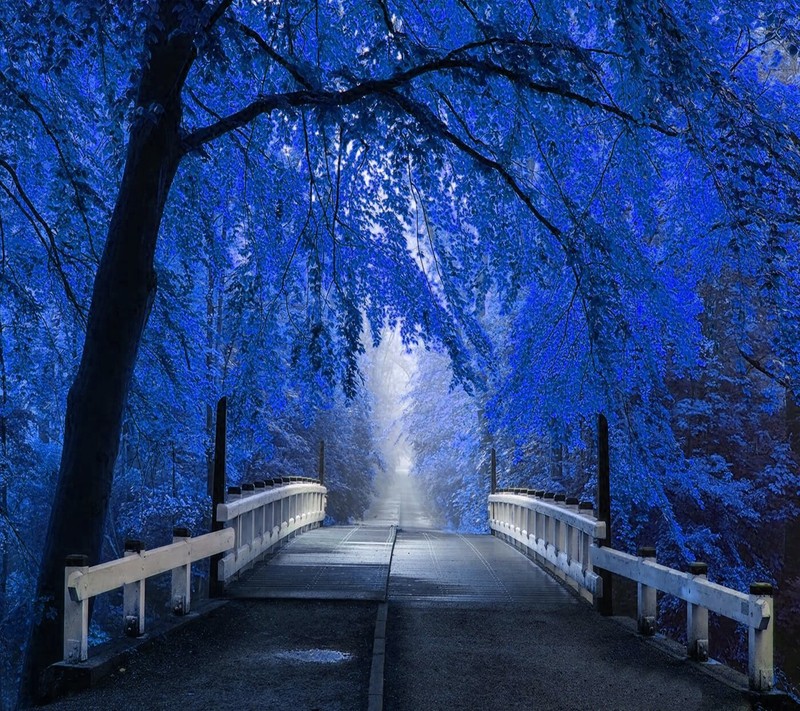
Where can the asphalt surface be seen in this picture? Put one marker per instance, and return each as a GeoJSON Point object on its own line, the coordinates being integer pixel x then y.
{"type": "Point", "coordinates": [259, 655]}
{"type": "Point", "coordinates": [474, 624]}
{"type": "Point", "coordinates": [335, 563]}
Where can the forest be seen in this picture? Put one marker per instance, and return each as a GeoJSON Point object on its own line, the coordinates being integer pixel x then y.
{"type": "Point", "coordinates": [535, 211]}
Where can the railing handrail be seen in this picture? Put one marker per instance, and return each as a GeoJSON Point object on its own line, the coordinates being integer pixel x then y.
{"type": "Point", "coordinates": [693, 589]}
{"type": "Point", "coordinates": [552, 543]}
{"type": "Point", "coordinates": [583, 522]}
{"type": "Point", "coordinates": [254, 524]}
{"type": "Point", "coordinates": [249, 502]}
{"type": "Point", "coordinates": [105, 577]}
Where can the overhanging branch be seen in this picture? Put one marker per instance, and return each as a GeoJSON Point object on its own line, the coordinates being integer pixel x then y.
{"type": "Point", "coordinates": [376, 87]}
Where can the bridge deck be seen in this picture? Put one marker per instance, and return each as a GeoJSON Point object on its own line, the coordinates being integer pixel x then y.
{"type": "Point", "coordinates": [472, 624]}
{"type": "Point", "coordinates": [438, 568]}
{"type": "Point", "coordinates": [336, 563]}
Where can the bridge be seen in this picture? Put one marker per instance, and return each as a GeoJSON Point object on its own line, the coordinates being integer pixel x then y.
{"type": "Point", "coordinates": [393, 612]}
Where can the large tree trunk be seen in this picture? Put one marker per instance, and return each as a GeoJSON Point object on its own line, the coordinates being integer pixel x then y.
{"type": "Point", "coordinates": [123, 293]}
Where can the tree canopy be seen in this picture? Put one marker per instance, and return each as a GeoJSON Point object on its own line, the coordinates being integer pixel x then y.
{"type": "Point", "coordinates": [588, 206]}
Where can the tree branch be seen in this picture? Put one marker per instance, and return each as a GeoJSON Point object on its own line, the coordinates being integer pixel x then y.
{"type": "Point", "coordinates": [374, 87]}
{"type": "Point", "coordinates": [297, 75]}
{"type": "Point", "coordinates": [761, 368]}
{"type": "Point", "coordinates": [52, 251]}
{"type": "Point", "coordinates": [424, 116]}
{"type": "Point", "coordinates": [217, 13]}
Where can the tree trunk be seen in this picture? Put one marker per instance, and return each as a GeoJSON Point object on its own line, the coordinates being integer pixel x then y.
{"type": "Point", "coordinates": [123, 294]}
{"type": "Point", "coordinates": [4, 561]}
{"type": "Point", "coordinates": [791, 553]}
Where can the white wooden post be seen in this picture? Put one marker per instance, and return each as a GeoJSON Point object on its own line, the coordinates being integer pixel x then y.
{"type": "Point", "coordinates": [76, 615]}
{"type": "Point", "coordinates": [272, 514]}
{"type": "Point", "coordinates": [248, 523]}
{"type": "Point", "coordinates": [261, 526]}
{"type": "Point", "coordinates": [133, 597]}
{"type": "Point", "coordinates": [760, 667]}
{"type": "Point", "coordinates": [647, 600]}
{"type": "Point", "coordinates": [561, 527]}
{"type": "Point", "coordinates": [697, 620]}
{"type": "Point", "coordinates": [541, 526]}
{"type": "Point", "coordinates": [573, 534]}
{"type": "Point", "coordinates": [587, 509]}
{"type": "Point", "coordinates": [181, 578]}
{"type": "Point", "coordinates": [234, 494]}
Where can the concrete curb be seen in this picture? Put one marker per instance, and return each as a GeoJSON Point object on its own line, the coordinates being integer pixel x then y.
{"type": "Point", "coordinates": [378, 659]}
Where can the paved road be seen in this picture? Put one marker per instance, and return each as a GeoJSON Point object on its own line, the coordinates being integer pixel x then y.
{"type": "Point", "coordinates": [249, 656]}
{"type": "Point", "coordinates": [474, 624]}
{"type": "Point", "coordinates": [335, 563]}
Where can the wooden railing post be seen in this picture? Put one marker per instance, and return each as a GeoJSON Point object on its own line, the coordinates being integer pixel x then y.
{"type": "Point", "coordinates": [603, 602]}
{"type": "Point", "coordinates": [248, 528]}
{"type": "Point", "coordinates": [647, 600]}
{"type": "Point", "coordinates": [215, 587]}
{"type": "Point", "coordinates": [760, 666]}
{"type": "Point", "coordinates": [181, 598]}
{"type": "Point", "coordinates": [260, 513]}
{"type": "Point", "coordinates": [133, 597]}
{"type": "Point", "coordinates": [697, 620]}
{"type": "Point", "coordinates": [76, 615]}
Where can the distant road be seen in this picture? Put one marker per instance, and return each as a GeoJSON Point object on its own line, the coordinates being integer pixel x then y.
{"type": "Point", "coordinates": [399, 501]}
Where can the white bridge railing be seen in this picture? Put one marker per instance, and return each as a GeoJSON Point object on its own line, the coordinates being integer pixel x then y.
{"type": "Point", "coordinates": [263, 516]}
{"type": "Point", "coordinates": [256, 518]}
{"type": "Point", "coordinates": [564, 536]}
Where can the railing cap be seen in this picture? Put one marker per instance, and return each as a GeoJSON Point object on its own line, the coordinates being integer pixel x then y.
{"type": "Point", "coordinates": [585, 506]}
{"type": "Point", "coordinates": [76, 560]}
{"type": "Point", "coordinates": [572, 501]}
{"type": "Point", "coordinates": [248, 487]}
{"type": "Point", "coordinates": [698, 568]}
{"type": "Point", "coordinates": [560, 498]}
{"type": "Point", "coordinates": [134, 545]}
{"type": "Point", "coordinates": [234, 490]}
{"type": "Point", "coordinates": [549, 495]}
{"type": "Point", "coordinates": [761, 588]}
{"type": "Point", "coordinates": [647, 552]}
{"type": "Point", "coordinates": [259, 484]}
{"type": "Point", "coordinates": [181, 532]}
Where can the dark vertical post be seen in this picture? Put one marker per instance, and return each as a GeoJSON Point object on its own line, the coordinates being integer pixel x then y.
{"type": "Point", "coordinates": [218, 490]}
{"type": "Point", "coordinates": [494, 471]}
{"type": "Point", "coordinates": [321, 465]}
{"type": "Point", "coordinates": [603, 602]}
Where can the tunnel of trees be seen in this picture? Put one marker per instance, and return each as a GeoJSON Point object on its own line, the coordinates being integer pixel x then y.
{"type": "Point", "coordinates": [558, 209]}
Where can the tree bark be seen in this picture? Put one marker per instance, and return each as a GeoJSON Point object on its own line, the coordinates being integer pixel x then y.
{"type": "Point", "coordinates": [124, 288]}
